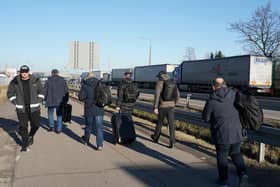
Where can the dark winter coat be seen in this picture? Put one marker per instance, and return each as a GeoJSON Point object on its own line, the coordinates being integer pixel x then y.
{"type": "Point", "coordinates": [127, 107]}
{"type": "Point", "coordinates": [87, 95]}
{"type": "Point", "coordinates": [223, 117]}
{"type": "Point", "coordinates": [16, 95]}
{"type": "Point", "coordinates": [56, 91]}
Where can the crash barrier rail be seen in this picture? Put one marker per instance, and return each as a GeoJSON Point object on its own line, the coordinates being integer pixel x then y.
{"type": "Point", "coordinates": [265, 135]}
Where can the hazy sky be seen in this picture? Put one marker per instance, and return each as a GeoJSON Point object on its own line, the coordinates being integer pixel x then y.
{"type": "Point", "coordinates": [38, 32]}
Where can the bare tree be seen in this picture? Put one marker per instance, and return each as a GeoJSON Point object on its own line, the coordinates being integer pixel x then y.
{"type": "Point", "coordinates": [190, 54]}
{"type": "Point", "coordinates": [261, 34]}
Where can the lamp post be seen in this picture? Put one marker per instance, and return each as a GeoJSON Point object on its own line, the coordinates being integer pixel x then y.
{"type": "Point", "coordinates": [150, 49]}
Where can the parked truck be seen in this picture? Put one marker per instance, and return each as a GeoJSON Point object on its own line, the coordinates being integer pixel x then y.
{"type": "Point", "coordinates": [145, 76]}
{"type": "Point", "coordinates": [247, 71]}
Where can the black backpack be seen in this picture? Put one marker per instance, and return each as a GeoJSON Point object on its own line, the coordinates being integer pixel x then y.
{"type": "Point", "coordinates": [130, 93]}
{"type": "Point", "coordinates": [169, 91]}
{"type": "Point", "coordinates": [102, 95]}
{"type": "Point", "coordinates": [250, 113]}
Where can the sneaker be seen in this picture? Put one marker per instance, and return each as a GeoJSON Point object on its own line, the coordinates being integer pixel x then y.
{"type": "Point", "coordinates": [154, 138]}
{"type": "Point", "coordinates": [57, 132]}
{"type": "Point", "coordinates": [100, 148]}
{"type": "Point", "coordinates": [50, 129]}
{"type": "Point", "coordinates": [243, 181]}
{"type": "Point", "coordinates": [30, 140]}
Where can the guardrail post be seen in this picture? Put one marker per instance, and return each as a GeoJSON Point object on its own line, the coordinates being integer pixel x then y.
{"type": "Point", "coordinates": [188, 100]}
{"type": "Point", "coordinates": [261, 152]}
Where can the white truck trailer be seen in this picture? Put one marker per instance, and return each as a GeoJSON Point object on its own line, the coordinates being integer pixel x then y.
{"type": "Point", "coordinates": [145, 76]}
{"type": "Point", "coordinates": [240, 71]}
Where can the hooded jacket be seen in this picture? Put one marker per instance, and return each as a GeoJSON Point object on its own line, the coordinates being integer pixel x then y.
{"type": "Point", "coordinates": [158, 101]}
{"type": "Point", "coordinates": [87, 95]}
{"type": "Point", "coordinates": [223, 117]}
{"type": "Point", "coordinates": [56, 91]}
{"type": "Point", "coordinates": [16, 95]}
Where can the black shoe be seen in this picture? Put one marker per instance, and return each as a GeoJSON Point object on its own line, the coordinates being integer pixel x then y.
{"type": "Point", "coordinates": [24, 149]}
{"type": "Point", "coordinates": [154, 138]}
{"type": "Point", "coordinates": [83, 140]}
{"type": "Point", "coordinates": [57, 132]}
{"type": "Point", "coordinates": [50, 129]}
{"type": "Point", "coordinates": [171, 145]}
{"type": "Point", "coordinates": [30, 140]}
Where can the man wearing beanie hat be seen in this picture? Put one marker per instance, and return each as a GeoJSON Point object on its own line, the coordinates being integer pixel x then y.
{"type": "Point", "coordinates": [124, 104]}
{"type": "Point", "coordinates": [26, 93]}
{"type": "Point", "coordinates": [56, 97]}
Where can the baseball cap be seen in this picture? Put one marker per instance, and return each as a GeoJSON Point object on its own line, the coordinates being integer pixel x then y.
{"type": "Point", "coordinates": [24, 69]}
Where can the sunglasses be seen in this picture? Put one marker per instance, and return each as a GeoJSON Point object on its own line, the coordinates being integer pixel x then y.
{"type": "Point", "coordinates": [24, 71]}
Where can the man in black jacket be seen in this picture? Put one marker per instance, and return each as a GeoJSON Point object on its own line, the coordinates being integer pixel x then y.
{"type": "Point", "coordinates": [226, 131]}
{"type": "Point", "coordinates": [26, 93]}
{"type": "Point", "coordinates": [56, 97]}
{"type": "Point", "coordinates": [126, 106]}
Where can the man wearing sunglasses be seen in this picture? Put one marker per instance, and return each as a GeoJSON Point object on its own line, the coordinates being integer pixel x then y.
{"type": "Point", "coordinates": [26, 93]}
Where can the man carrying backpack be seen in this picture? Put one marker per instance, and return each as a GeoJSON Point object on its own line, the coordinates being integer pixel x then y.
{"type": "Point", "coordinates": [93, 114]}
{"type": "Point", "coordinates": [127, 94]}
{"type": "Point", "coordinates": [226, 131]}
{"type": "Point", "coordinates": [166, 97]}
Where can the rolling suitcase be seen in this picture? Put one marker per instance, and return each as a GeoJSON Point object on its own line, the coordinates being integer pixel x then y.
{"type": "Point", "coordinates": [66, 113]}
{"type": "Point", "coordinates": [123, 128]}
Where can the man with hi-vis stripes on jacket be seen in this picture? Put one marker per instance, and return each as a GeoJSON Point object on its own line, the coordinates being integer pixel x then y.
{"type": "Point", "coordinates": [26, 93]}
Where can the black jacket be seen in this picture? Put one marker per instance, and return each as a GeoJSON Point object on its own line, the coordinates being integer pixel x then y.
{"type": "Point", "coordinates": [56, 91]}
{"type": "Point", "coordinates": [16, 96]}
{"type": "Point", "coordinates": [120, 100]}
{"type": "Point", "coordinates": [87, 95]}
{"type": "Point", "coordinates": [223, 117]}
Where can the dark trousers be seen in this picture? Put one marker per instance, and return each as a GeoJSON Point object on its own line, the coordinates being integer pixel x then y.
{"type": "Point", "coordinates": [233, 150]}
{"type": "Point", "coordinates": [23, 119]}
{"type": "Point", "coordinates": [127, 108]}
{"type": "Point", "coordinates": [169, 114]}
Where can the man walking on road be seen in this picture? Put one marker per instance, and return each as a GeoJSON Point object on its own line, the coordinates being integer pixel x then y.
{"type": "Point", "coordinates": [127, 94]}
{"type": "Point", "coordinates": [26, 93]}
{"type": "Point", "coordinates": [56, 97]}
{"type": "Point", "coordinates": [166, 97]}
{"type": "Point", "coordinates": [93, 114]}
{"type": "Point", "coordinates": [225, 131]}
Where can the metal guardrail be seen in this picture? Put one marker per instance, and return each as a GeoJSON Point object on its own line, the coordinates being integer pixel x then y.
{"type": "Point", "coordinates": [265, 135]}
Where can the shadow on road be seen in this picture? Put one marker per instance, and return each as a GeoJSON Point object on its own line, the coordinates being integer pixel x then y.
{"type": "Point", "coordinates": [11, 127]}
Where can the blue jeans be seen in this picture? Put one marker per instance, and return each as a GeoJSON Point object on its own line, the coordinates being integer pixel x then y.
{"type": "Point", "coordinates": [97, 122]}
{"type": "Point", "coordinates": [232, 150]}
{"type": "Point", "coordinates": [59, 118]}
